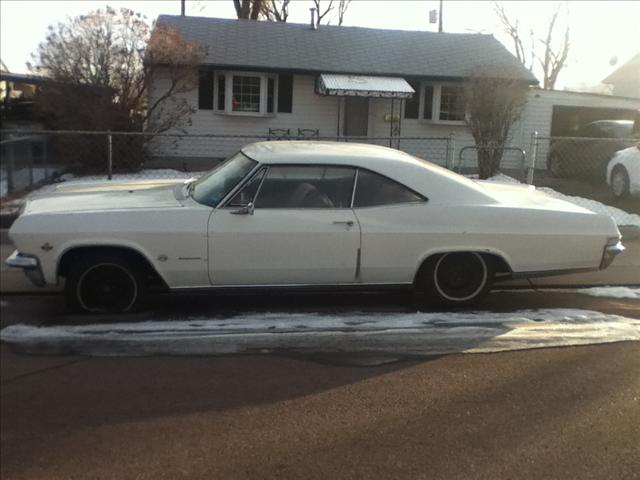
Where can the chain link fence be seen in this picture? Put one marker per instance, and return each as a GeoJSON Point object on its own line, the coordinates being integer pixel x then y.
{"type": "Point", "coordinates": [30, 159]}
{"type": "Point", "coordinates": [577, 167]}
{"type": "Point", "coordinates": [572, 166]}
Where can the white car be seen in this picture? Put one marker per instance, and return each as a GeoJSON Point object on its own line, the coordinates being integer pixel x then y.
{"type": "Point", "coordinates": [304, 215]}
{"type": "Point", "coordinates": [623, 172]}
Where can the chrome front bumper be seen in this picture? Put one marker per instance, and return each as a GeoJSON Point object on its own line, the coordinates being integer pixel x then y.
{"type": "Point", "coordinates": [29, 265]}
{"type": "Point", "coordinates": [611, 251]}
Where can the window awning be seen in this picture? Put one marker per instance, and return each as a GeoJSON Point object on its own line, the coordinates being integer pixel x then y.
{"type": "Point", "coordinates": [363, 86]}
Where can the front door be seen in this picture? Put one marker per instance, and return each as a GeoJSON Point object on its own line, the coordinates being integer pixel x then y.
{"type": "Point", "coordinates": [356, 116]}
{"type": "Point", "coordinates": [298, 230]}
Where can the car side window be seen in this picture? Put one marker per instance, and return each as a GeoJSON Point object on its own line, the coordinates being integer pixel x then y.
{"type": "Point", "coordinates": [373, 190]}
{"type": "Point", "coordinates": [306, 187]}
{"type": "Point", "coordinates": [248, 192]}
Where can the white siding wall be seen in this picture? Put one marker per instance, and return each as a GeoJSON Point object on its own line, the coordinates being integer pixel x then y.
{"type": "Point", "coordinates": [309, 111]}
{"type": "Point", "coordinates": [318, 112]}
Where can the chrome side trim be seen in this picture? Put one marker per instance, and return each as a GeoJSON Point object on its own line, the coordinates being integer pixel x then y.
{"type": "Point", "coordinates": [544, 273]}
{"type": "Point", "coordinates": [353, 190]}
{"type": "Point", "coordinates": [326, 286]}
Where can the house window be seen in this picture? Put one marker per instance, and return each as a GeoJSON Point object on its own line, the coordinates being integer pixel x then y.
{"type": "Point", "coordinates": [436, 103]}
{"type": "Point", "coordinates": [242, 93]}
{"type": "Point", "coordinates": [245, 94]}
{"type": "Point", "coordinates": [451, 103]}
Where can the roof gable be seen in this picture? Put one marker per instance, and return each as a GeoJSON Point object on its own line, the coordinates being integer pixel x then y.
{"type": "Point", "coordinates": [339, 49]}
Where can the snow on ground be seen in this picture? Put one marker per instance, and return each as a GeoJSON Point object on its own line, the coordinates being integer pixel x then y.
{"type": "Point", "coordinates": [395, 333]}
{"type": "Point", "coordinates": [621, 217]}
{"type": "Point", "coordinates": [611, 292]}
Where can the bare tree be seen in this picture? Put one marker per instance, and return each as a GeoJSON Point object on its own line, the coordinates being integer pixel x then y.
{"type": "Point", "coordinates": [250, 9]}
{"type": "Point", "coordinates": [277, 10]}
{"type": "Point", "coordinates": [553, 62]}
{"type": "Point", "coordinates": [553, 57]}
{"type": "Point", "coordinates": [111, 70]}
{"type": "Point", "coordinates": [119, 52]}
{"type": "Point", "coordinates": [494, 102]}
{"type": "Point", "coordinates": [343, 5]}
{"type": "Point", "coordinates": [321, 14]}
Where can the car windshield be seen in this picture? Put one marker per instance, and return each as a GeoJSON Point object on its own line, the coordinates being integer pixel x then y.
{"type": "Point", "coordinates": [212, 187]}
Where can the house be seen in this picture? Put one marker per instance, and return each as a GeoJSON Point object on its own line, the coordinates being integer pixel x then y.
{"type": "Point", "coordinates": [262, 77]}
{"type": "Point", "coordinates": [294, 80]}
{"type": "Point", "coordinates": [626, 78]}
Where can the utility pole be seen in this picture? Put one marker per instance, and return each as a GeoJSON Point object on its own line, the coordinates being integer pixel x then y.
{"type": "Point", "coordinates": [182, 7]}
{"type": "Point", "coordinates": [439, 18]}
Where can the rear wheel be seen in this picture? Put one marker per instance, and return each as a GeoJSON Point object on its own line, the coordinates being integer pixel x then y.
{"type": "Point", "coordinates": [456, 279]}
{"type": "Point", "coordinates": [105, 284]}
{"type": "Point", "coordinates": [620, 182]}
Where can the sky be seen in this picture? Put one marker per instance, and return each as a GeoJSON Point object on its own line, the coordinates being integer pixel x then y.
{"type": "Point", "coordinates": [604, 34]}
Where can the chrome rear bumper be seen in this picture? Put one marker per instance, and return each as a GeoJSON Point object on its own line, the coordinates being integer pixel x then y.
{"type": "Point", "coordinates": [29, 265]}
{"type": "Point", "coordinates": [611, 251]}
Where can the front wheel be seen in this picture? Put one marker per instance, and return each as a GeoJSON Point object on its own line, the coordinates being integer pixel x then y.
{"type": "Point", "coordinates": [455, 279]}
{"type": "Point", "coordinates": [105, 284]}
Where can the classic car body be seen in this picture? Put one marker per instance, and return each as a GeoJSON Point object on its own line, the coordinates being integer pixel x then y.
{"type": "Point", "coordinates": [309, 214]}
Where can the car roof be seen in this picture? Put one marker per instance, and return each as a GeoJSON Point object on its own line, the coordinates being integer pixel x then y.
{"type": "Point", "coordinates": [422, 176]}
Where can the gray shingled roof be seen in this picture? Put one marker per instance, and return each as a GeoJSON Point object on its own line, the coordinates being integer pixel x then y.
{"type": "Point", "coordinates": [356, 50]}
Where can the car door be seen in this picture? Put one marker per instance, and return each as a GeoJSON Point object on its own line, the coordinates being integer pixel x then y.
{"type": "Point", "coordinates": [394, 229]}
{"type": "Point", "coordinates": [289, 225]}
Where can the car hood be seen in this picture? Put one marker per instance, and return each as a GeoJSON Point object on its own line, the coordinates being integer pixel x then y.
{"type": "Point", "coordinates": [95, 196]}
{"type": "Point", "coordinates": [526, 196]}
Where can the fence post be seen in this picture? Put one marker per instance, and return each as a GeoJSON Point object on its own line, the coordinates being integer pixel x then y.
{"type": "Point", "coordinates": [109, 156]}
{"type": "Point", "coordinates": [451, 147]}
{"type": "Point", "coordinates": [534, 154]}
{"type": "Point", "coordinates": [10, 167]}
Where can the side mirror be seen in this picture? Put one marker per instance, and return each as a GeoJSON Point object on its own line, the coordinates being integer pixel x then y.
{"type": "Point", "coordinates": [244, 210]}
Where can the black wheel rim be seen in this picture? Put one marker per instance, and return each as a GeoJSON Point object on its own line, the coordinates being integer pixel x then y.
{"type": "Point", "coordinates": [460, 276]}
{"type": "Point", "coordinates": [107, 288]}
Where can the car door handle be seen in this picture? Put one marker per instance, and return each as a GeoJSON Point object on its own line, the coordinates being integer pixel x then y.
{"type": "Point", "coordinates": [348, 223]}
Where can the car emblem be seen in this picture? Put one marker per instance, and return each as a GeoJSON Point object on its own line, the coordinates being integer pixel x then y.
{"type": "Point", "coordinates": [46, 247]}
{"type": "Point", "coordinates": [162, 258]}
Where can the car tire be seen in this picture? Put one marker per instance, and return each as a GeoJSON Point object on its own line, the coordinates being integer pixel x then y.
{"type": "Point", "coordinates": [556, 167]}
{"type": "Point", "coordinates": [105, 284]}
{"type": "Point", "coordinates": [455, 279]}
{"type": "Point", "coordinates": [620, 184]}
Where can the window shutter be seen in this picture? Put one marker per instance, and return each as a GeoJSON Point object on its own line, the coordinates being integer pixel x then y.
{"type": "Point", "coordinates": [428, 103]}
{"type": "Point", "coordinates": [205, 90]}
{"type": "Point", "coordinates": [285, 93]}
{"type": "Point", "coordinates": [221, 92]}
{"type": "Point", "coordinates": [412, 105]}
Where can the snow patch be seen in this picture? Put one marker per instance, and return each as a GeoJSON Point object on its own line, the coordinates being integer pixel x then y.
{"type": "Point", "coordinates": [397, 333]}
{"type": "Point", "coordinates": [612, 292]}
{"type": "Point", "coordinates": [621, 217]}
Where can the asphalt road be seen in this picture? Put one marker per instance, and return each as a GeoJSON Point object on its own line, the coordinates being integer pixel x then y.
{"type": "Point", "coordinates": [549, 413]}
{"type": "Point", "coordinates": [50, 309]}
